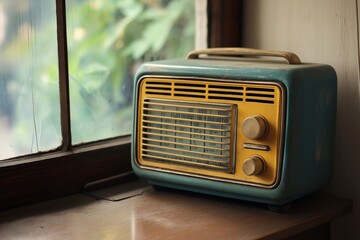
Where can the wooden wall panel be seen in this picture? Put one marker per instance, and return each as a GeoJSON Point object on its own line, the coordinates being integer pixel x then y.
{"type": "Point", "coordinates": [224, 23]}
{"type": "Point", "coordinates": [61, 174]}
{"type": "Point", "coordinates": [322, 31]}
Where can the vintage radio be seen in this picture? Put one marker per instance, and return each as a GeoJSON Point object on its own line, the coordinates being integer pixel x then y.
{"type": "Point", "coordinates": [247, 128]}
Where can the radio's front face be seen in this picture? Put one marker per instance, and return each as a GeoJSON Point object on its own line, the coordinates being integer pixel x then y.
{"type": "Point", "coordinates": [225, 130]}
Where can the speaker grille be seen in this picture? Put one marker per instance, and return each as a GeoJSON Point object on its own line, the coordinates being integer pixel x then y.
{"type": "Point", "coordinates": [231, 92]}
{"type": "Point", "coordinates": [192, 127]}
{"type": "Point", "coordinates": [195, 134]}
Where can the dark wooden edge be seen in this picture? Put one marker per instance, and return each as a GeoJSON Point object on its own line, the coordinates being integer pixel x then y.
{"type": "Point", "coordinates": [63, 74]}
{"type": "Point", "coordinates": [321, 232]}
{"type": "Point", "coordinates": [338, 207]}
{"type": "Point", "coordinates": [225, 23]}
{"type": "Point", "coordinates": [61, 174]}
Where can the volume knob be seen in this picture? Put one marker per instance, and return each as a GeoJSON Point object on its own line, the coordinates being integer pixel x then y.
{"type": "Point", "coordinates": [254, 127]}
{"type": "Point", "coordinates": [253, 166]}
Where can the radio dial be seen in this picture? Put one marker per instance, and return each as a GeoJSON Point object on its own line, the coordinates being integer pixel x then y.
{"type": "Point", "coordinates": [254, 127]}
{"type": "Point", "coordinates": [253, 166]}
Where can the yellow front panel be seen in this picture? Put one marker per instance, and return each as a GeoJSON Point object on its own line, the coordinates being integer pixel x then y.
{"type": "Point", "coordinates": [221, 103]}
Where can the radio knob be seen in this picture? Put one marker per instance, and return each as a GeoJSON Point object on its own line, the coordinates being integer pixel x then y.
{"type": "Point", "coordinates": [253, 166]}
{"type": "Point", "coordinates": [254, 127]}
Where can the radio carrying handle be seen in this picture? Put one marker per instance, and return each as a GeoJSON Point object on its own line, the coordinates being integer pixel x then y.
{"type": "Point", "coordinates": [290, 57]}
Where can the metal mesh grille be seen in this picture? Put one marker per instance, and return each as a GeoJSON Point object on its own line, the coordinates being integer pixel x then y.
{"type": "Point", "coordinates": [195, 134]}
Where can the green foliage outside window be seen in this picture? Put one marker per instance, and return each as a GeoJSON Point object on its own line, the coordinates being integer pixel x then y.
{"type": "Point", "coordinates": [107, 41]}
{"type": "Point", "coordinates": [110, 40]}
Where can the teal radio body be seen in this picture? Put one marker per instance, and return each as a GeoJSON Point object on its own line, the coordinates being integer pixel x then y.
{"type": "Point", "coordinates": [236, 127]}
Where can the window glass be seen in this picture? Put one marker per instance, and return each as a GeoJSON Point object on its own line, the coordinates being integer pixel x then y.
{"type": "Point", "coordinates": [29, 79]}
{"type": "Point", "coordinates": [107, 41]}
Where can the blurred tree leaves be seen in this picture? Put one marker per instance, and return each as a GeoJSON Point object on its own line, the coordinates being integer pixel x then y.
{"type": "Point", "coordinates": [107, 41]}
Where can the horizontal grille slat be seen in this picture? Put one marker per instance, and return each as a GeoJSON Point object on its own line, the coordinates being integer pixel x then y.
{"type": "Point", "coordinates": [185, 151]}
{"type": "Point", "coordinates": [260, 95]}
{"type": "Point", "coordinates": [257, 100]}
{"type": "Point", "coordinates": [158, 93]}
{"type": "Point", "coordinates": [189, 94]}
{"type": "Point", "coordinates": [181, 161]}
{"type": "Point", "coordinates": [226, 96]}
{"type": "Point", "coordinates": [248, 89]}
{"type": "Point", "coordinates": [157, 104]}
{"type": "Point", "coordinates": [190, 113]}
{"type": "Point", "coordinates": [193, 156]}
{"type": "Point", "coordinates": [186, 138]}
{"type": "Point", "coordinates": [187, 88]}
{"type": "Point", "coordinates": [160, 85]}
{"type": "Point", "coordinates": [164, 143]}
{"type": "Point", "coordinates": [157, 83]}
{"type": "Point", "coordinates": [261, 98]}
{"type": "Point", "coordinates": [226, 88]}
{"type": "Point", "coordinates": [184, 132]}
{"type": "Point", "coordinates": [182, 119]}
{"type": "Point", "coordinates": [188, 133]}
{"type": "Point", "coordinates": [164, 153]}
{"type": "Point", "coordinates": [158, 88]}
{"type": "Point", "coordinates": [231, 93]}
{"type": "Point", "coordinates": [188, 84]}
{"type": "Point", "coordinates": [235, 93]}
{"type": "Point", "coordinates": [185, 126]}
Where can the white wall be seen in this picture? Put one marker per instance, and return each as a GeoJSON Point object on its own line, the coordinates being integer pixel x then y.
{"type": "Point", "coordinates": [323, 31]}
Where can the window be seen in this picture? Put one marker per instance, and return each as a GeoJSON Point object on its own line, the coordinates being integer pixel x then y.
{"type": "Point", "coordinates": [88, 55]}
{"type": "Point", "coordinates": [106, 42]}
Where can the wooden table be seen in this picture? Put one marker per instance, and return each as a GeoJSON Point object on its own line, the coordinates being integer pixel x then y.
{"type": "Point", "coordinates": [135, 211]}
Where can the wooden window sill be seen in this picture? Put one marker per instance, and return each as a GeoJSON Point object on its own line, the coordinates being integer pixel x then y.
{"type": "Point", "coordinates": [136, 211]}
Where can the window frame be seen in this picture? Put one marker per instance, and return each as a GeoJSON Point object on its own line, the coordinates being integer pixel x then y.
{"type": "Point", "coordinates": [69, 169]}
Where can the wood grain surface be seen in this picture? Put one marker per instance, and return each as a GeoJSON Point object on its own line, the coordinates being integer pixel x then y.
{"type": "Point", "coordinates": [164, 215]}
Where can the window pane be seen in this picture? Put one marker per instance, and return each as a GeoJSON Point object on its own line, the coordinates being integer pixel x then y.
{"type": "Point", "coordinates": [107, 41]}
{"type": "Point", "coordinates": [29, 88]}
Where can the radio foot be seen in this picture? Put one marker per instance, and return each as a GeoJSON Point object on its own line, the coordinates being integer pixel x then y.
{"type": "Point", "coordinates": [159, 188]}
{"type": "Point", "coordinates": [279, 208]}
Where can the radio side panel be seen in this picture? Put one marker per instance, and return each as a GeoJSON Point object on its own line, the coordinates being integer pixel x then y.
{"type": "Point", "coordinates": [310, 131]}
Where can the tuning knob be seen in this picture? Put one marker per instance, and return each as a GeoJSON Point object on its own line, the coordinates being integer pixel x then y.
{"type": "Point", "coordinates": [253, 166]}
{"type": "Point", "coordinates": [254, 127]}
